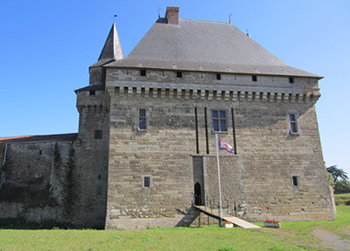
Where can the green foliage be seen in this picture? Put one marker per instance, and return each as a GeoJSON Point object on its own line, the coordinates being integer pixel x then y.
{"type": "Point", "coordinates": [330, 179]}
{"type": "Point", "coordinates": [337, 173]}
{"type": "Point", "coordinates": [340, 178]}
{"type": "Point", "coordinates": [342, 185]}
{"type": "Point", "coordinates": [342, 199]}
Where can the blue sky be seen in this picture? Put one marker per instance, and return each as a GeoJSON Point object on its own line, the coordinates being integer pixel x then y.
{"type": "Point", "coordinates": [46, 48]}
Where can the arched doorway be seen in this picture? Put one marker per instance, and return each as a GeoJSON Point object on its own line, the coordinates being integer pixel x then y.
{"type": "Point", "coordinates": [197, 194]}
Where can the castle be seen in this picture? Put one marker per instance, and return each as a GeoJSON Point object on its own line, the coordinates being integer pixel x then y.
{"type": "Point", "coordinates": [145, 152]}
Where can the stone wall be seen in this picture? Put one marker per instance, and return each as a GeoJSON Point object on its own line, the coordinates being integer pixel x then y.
{"type": "Point", "coordinates": [159, 153]}
{"type": "Point", "coordinates": [272, 156]}
{"type": "Point", "coordinates": [36, 181]}
{"type": "Point", "coordinates": [53, 182]}
{"type": "Point", "coordinates": [257, 182]}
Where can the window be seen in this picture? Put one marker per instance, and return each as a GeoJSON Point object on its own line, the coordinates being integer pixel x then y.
{"type": "Point", "coordinates": [143, 73]}
{"type": "Point", "coordinates": [254, 78]}
{"type": "Point", "coordinates": [218, 76]}
{"type": "Point", "coordinates": [219, 120]}
{"type": "Point", "coordinates": [293, 123]}
{"type": "Point", "coordinates": [98, 134]}
{"type": "Point", "coordinates": [92, 92]}
{"type": "Point", "coordinates": [146, 181]}
{"type": "Point", "coordinates": [291, 80]}
{"type": "Point", "coordinates": [179, 74]}
{"type": "Point", "coordinates": [295, 180]}
{"type": "Point", "coordinates": [142, 119]}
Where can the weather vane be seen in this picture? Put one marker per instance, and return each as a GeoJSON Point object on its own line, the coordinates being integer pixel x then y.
{"type": "Point", "coordinates": [159, 9]}
{"type": "Point", "coordinates": [229, 18]}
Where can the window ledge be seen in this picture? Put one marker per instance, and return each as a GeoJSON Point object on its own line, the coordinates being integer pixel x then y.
{"type": "Point", "coordinates": [142, 130]}
{"type": "Point", "coordinates": [220, 132]}
{"type": "Point", "coordinates": [294, 133]}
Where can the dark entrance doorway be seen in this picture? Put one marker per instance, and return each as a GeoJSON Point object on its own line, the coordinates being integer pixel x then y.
{"type": "Point", "coordinates": [197, 194]}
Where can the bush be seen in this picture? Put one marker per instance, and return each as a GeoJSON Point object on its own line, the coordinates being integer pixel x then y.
{"type": "Point", "coordinates": [342, 186]}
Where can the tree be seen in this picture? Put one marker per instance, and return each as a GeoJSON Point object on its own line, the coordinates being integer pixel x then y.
{"type": "Point", "coordinates": [338, 179]}
{"type": "Point", "coordinates": [342, 185]}
{"type": "Point", "coordinates": [337, 173]}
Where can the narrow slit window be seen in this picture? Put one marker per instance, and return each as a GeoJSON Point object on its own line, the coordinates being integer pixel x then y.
{"type": "Point", "coordinates": [142, 119]}
{"type": "Point", "coordinates": [218, 76]}
{"type": "Point", "coordinates": [295, 180]}
{"type": "Point", "coordinates": [219, 121]}
{"type": "Point", "coordinates": [146, 181]}
{"type": "Point", "coordinates": [293, 123]}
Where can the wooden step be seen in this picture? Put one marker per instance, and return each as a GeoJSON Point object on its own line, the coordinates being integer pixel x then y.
{"type": "Point", "coordinates": [236, 221]}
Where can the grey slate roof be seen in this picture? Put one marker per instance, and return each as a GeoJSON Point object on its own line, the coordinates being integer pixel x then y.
{"type": "Point", "coordinates": [90, 88]}
{"type": "Point", "coordinates": [37, 138]}
{"type": "Point", "coordinates": [112, 49]}
{"type": "Point", "coordinates": [204, 46]}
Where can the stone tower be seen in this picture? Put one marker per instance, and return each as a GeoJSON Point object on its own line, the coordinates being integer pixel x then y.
{"type": "Point", "coordinates": [93, 136]}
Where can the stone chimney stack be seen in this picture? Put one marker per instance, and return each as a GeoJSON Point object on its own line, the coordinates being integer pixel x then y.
{"type": "Point", "coordinates": [172, 15]}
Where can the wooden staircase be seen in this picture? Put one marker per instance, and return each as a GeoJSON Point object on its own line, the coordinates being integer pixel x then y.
{"type": "Point", "coordinates": [216, 214]}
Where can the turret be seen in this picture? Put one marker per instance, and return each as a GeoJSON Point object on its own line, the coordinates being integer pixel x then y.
{"type": "Point", "coordinates": [112, 51]}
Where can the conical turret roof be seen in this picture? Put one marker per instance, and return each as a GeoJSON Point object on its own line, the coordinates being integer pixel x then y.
{"type": "Point", "coordinates": [112, 49]}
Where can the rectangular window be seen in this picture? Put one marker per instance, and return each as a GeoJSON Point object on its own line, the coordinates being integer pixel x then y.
{"type": "Point", "coordinates": [92, 92]}
{"type": "Point", "coordinates": [179, 74]}
{"type": "Point", "coordinates": [146, 181]}
{"type": "Point", "coordinates": [218, 76]}
{"type": "Point", "coordinates": [98, 134]}
{"type": "Point", "coordinates": [291, 80]}
{"type": "Point", "coordinates": [142, 119]}
{"type": "Point", "coordinates": [293, 123]}
{"type": "Point", "coordinates": [295, 180]}
{"type": "Point", "coordinates": [143, 73]}
{"type": "Point", "coordinates": [219, 120]}
{"type": "Point", "coordinates": [254, 78]}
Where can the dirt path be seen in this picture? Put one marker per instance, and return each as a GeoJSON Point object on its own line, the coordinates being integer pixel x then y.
{"type": "Point", "coordinates": [332, 241]}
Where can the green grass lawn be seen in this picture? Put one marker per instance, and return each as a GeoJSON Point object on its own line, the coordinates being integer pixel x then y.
{"type": "Point", "coordinates": [292, 236]}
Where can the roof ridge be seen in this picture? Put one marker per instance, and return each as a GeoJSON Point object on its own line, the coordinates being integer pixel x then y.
{"type": "Point", "coordinates": [207, 21]}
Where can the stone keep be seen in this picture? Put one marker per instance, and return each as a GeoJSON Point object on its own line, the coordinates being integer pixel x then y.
{"type": "Point", "coordinates": [145, 152]}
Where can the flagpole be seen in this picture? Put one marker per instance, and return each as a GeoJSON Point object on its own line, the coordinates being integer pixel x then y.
{"type": "Point", "coordinates": [219, 178]}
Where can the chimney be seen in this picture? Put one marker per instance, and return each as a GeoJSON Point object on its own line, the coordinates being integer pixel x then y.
{"type": "Point", "coordinates": [172, 15]}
